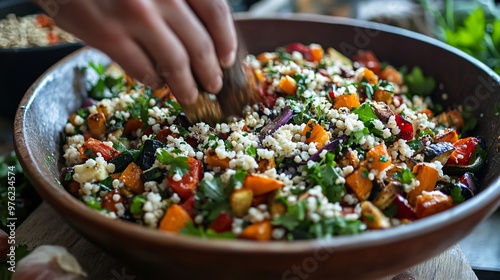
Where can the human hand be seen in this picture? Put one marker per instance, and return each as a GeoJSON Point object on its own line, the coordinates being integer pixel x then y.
{"type": "Point", "coordinates": [157, 41]}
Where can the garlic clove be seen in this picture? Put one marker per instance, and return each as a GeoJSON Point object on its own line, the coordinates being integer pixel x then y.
{"type": "Point", "coordinates": [49, 262]}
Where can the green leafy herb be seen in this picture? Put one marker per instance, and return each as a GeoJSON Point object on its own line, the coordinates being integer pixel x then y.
{"type": "Point", "coordinates": [325, 175]}
{"type": "Point", "coordinates": [391, 211]}
{"type": "Point", "coordinates": [212, 196]}
{"type": "Point", "coordinates": [415, 144]}
{"type": "Point", "coordinates": [405, 176]}
{"type": "Point", "coordinates": [283, 55]}
{"type": "Point", "coordinates": [383, 158]}
{"type": "Point", "coordinates": [107, 85]}
{"type": "Point", "coordinates": [251, 151]}
{"type": "Point", "coordinates": [228, 145]}
{"type": "Point", "coordinates": [178, 165]}
{"type": "Point", "coordinates": [192, 230]}
{"type": "Point", "coordinates": [106, 184]}
{"type": "Point", "coordinates": [174, 108]}
{"type": "Point", "coordinates": [417, 83]}
{"type": "Point", "coordinates": [456, 194]}
{"type": "Point", "coordinates": [301, 82]}
{"type": "Point", "coordinates": [357, 135]}
{"type": "Point", "coordinates": [365, 113]}
{"type": "Point", "coordinates": [137, 203]}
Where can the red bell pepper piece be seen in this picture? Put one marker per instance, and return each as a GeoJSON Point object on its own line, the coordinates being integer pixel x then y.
{"type": "Point", "coordinates": [464, 149]}
{"type": "Point", "coordinates": [222, 223]}
{"type": "Point", "coordinates": [298, 47]}
{"type": "Point", "coordinates": [189, 207]}
{"type": "Point", "coordinates": [406, 128]}
{"type": "Point", "coordinates": [108, 201]}
{"type": "Point", "coordinates": [97, 146]}
{"type": "Point", "coordinates": [369, 60]}
{"type": "Point", "coordinates": [188, 184]}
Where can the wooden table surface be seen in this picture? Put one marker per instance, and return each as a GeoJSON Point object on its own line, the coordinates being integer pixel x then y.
{"type": "Point", "coordinates": [45, 226]}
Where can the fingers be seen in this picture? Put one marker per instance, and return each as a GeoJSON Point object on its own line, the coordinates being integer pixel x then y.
{"type": "Point", "coordinates": [216, 16]}
{"type": "Point", "coordinates": [197, 42]}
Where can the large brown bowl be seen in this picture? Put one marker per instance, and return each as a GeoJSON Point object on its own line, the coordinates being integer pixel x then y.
{"type": "Point", "coordinates": [59, 92]}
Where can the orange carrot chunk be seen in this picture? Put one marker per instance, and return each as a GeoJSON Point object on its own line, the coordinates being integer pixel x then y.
{"type": "Point", "coordinates": [175, 219]}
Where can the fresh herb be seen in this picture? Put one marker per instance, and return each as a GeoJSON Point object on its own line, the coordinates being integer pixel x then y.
{"type": "Point", "coordinates": [415, 144]}
{"type": "Point", "coordinates": [325, 175]}
{"type": "Point", "coordinates": [178, 165]}
{"type": "Point", "coordinates": [228, 145]}
{"type": "Point", "coordinates": [357, 135]}
{"type": "Point", "coordinates": [283, 55]}
{"type": "Point", "coordinates": [365, 114]}
{"type": "Point", "coordinates": [417, 83]}
{"type": "Point", "coordinates": [251, 151]}
{"type": "Point", "coordinates": [300, 79]}
{"type": "Point", "coordinates": [476, 33]}
{"type": "Point", "coordinates": [106, 184]}
{"type": "Point", "coordinates": [174, 108]}
{"type": "Point", "coordinates": [405, 176]}
{"type": "Point", "coordinates": [106, 85]}
{"type": "Point", "coordinates": [139, 109]}
{"type": "Point", "coordinates": [212, 196]}
{"type": "Point", "coordinates": [456, 194]}
{"type": "Point", "coordinates": [192, 230]}
{"type": "Point", "coordinates": [367, 89]}
{"type": "Point", "coordinates": [365, 173]}
{"type": "Point", "coordinates": [90, 154]}
{"type": "Point", "coordinates": [137, 203]}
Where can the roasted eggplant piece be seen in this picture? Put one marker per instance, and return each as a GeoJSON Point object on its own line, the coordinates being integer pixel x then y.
{"type": "Point", "coordinates": [438, 152]}
{"type": "Point", "coordinates": [385, 198]}
{"type": "Point", "coordinates": [382, 111]}
{"type": "Point", "coordinates": [148, 154]}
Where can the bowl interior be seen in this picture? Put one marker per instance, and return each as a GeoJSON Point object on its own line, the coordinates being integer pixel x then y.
{"type": "Point", "coordinates": [60, 91]}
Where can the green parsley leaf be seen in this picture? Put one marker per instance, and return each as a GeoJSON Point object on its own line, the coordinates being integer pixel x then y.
{"type": "Point", "coordinates": [418, 84]}
{"type": "Point", "coordinates": [365, 113]}
{"type": "Point", "coordinates": [137, 203]}
{"type": "Point", "coordinates": [407, 176]}
{"type": "Point", "coordinates": [178, 165]}
{"type": "Point", "coordinates": [251, 151]}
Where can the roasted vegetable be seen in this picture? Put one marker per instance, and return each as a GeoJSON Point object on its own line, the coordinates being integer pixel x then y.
{"type": "Point", "coordinates": [381, 95]}
{"type": "Point", "coordinates": [448, 135]}
{"type": "Point", "coordinates": [148, 154]}
{"type": "Point", "coordinates": [438, 152]}
{"type": "Point", "coordinates": [403, 209]}
{"type": "Point", "coordinates": [359, 183]}
{"type": "Point", "coordinates": [212, 159]}
{"type": "Point", "coordinates": [392, 75]}
{"type": "Point", "coordinates": [97, 125]}
{"type": "Point", "coordinates": [175, 219]}
{"type": "Point", "coordinates": [259, 231]}
{"type": "Point", "coordinates": [405, 126]}
{"type": "Point", "coordinates": [427, 176]}
{"type": "Point", "coordinates": [259, 184]}
{"type": "Point", "coordinates": [131, 178]}
{"type": "Point", "coordinates": [188, 184]}
{"type": "Point", "coordinates": [430, 203]}
{"type": "Point", "coordinates": [240, 201]}
{"type": "Point", "coordinates": [288, 85]}
{"type": "Point", "coordinates": [280, 120]}
{"type": "Point", "coordinates": [122, 160]}
{"type": "Point", "coordinates": [373, 217]}
{"type": "Point", "coordinates": [315, 133]}
{"type": "Point", "coordinates": [222, 223]}
{"type": "Point", "coordinates": [386, 197]}
{"type": "Point", "coordinates": [92, 147]}
{"type": "Point", "coordinates": [370, 77]}
{"type": "Point", "coordinates": [382, 111]}
{"type": "Point", "coordinates": [378, 158]}
{"type": "Point", "coordinates": [347, 100]}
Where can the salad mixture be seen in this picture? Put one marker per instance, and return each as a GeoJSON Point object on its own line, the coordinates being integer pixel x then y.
{"type": "Point", "coordinates": [335, 146]}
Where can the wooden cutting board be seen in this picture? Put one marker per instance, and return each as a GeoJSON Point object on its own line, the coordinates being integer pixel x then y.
{"type": "Point", "coordinates": [45, 226]}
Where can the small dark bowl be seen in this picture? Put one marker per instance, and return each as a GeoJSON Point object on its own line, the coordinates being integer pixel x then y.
{"type": "Point", "coordinates": [20, 67]}
{"type": "Point", "coordinates": [58, 93]}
